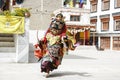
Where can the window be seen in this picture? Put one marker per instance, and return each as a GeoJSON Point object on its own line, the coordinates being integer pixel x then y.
{"type": "Point", "coordinates": [85, 2]}
{"type": "Point", "coordinates": [116, 18]}
{"type": "Point", "coordinates": [93, 4]}
{"type": "Point", "coordinates": [93, 7]}
{"type": "Point", "coordinates": [105, 4]}
{"type": "Point", "coordinates": [105, 24]}
{"type": "Point", "coordinates": [117, 25]}
{"type": "Point", "coordinates": [116, 43]}
{"type": "Point", "coordinates": [105, 42]}
{"type": "Point", "coordinates": [117, 3]}
{"type": "Point", "coordinates": [94, 22]}
{"type": "Point", "coordinates": [75, 18]}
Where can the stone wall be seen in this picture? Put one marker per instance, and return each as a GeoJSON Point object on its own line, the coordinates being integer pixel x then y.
{"type": "Point", "coordinates": [41, 12]}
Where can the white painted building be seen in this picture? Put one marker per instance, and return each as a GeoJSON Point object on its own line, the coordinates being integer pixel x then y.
{"type": "Point", "coordinates": [105, 14]}
{"type": "Point", "coordinates": [39, 22]}
{"type": "Point", "coordinates": [78, 21]}
{"type": "Point", "coordinates": [14, 47]}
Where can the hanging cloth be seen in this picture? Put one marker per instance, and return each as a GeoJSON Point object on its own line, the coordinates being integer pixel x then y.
{"type": "Point", "coordinates": [6, 6]}
{"type": "Point", "coordinates": [1, 3]}
{"type": "Point", "coordinates": [13, 2]}
{"type": "Point", "coordinates": [87, 34]}
{"type": "Point", "coordinates": [19, 1]}
{"type": "Point", "coordinates": [81, 35]}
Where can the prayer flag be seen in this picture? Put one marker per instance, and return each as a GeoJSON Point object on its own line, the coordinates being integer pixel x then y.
{"type": "Point", "coordinates": [12, 24]}
{"type": "Point", "coordinates": [87, 34]}
{"type": "Point", "coordinates": [81, 3]}
{"type": "Point", "coordinates": [81, 35]}
{"type": "Point", "coordinates": [74, 2]}
{"type": "Point", "coordinates": [71, 3]}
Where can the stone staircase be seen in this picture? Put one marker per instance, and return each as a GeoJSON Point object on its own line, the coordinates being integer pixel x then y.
{"type": "Point", "coordinates": [7, 43]}
{"type": "Point", "coordinates": [7, 48]}
{"type": "Point", "coordinates": [86, 48]}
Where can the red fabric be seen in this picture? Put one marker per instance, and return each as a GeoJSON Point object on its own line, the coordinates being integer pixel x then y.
{"type": "Point", "coordinates": [14, 2]}
{"type": "Point", "coordinates": [64, 31]}
{"type": "Point", "coordinates": [38, 54]}
{"type": "Point", "coordinates": [87, 34]}
{"type": "Point", "coordinates": [62, 34]}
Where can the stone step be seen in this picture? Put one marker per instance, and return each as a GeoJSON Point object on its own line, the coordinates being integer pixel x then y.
{"type": "Point", "coordinates": [6, 35]}
{"type": "Point", "coordinates": [86, 48]}
{"type": "Point", "coordinates": [7, 44]}
{"type": "Point", "coordinates": [6, 39]}
{"type": "Point", "coordinates": [3, 60]}
{"type": "Point", "coordinates": [7, 49]}
{"type": "Point", "coordinates": [7, 55]}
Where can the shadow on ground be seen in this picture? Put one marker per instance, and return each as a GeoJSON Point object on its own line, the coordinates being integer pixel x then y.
{"type": "Point", "coordinates": [64, 73]}
{"type": "Point", "coordinates": [69, 56]}
{"type": "Point", "coordinates": [33, 59]}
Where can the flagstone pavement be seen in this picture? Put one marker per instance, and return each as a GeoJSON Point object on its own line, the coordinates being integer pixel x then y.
{"type": "Point", "coordinates": [77, 65]}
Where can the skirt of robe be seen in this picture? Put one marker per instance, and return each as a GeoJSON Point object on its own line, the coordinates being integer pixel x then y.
{"type": "Point", "coordinates": [52, 59]}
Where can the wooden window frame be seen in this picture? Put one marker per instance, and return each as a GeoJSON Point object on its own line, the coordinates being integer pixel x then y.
{"type": "Point", "coordinates": [93, 4]}
{"type": "Point", "coordinates": [104, 41]}
{"type": "Point", "coordinates": [104, 20]}
{"type": "Point", "coordinates": [103, 27]}
{"type": "Point", "coordinates": [94, 22]}
{"type": "Point", "coordinates": [116, 18]}
{"type": "Point", "coordinates": [103, 5]}
{"type": "Point", "coordinates": [115, 26]}
{"type": "Point", "coordinates": [74, 17]}
{"type": "Point", "coordinates": [116, 4]}
{"type": "Point", "coordinates": [93, 8]}
{"type": "Point", "coordinates": [116, 43]}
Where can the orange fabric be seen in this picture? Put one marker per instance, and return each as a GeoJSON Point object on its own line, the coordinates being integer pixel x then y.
{"type": "Point", "coordinates": [38, 53]}
{"type": "Point", "coordinates": [81, 35]}
{"type": "Point", "coordinates": [87, 34]}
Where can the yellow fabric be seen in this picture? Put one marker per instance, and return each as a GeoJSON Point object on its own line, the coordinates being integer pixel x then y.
{"type": "Point", "coordinates": [71, 37]}
{"type": "Point", "coordinates": [68, 33]}
{"type": "Point", "coordinates": [12, 24]}
{"type": "Point", "coordinates": [88, 35]}
{"type": "Point", "coordinates": [82, 35]}
{"type": "Point", "coordinates": [71, 3]}
{"type": "Point", "coordinates": [52, 39]}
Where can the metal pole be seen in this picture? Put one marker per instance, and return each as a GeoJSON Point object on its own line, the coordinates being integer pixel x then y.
{"type": "Point", "coordinates": [41, 14]}
{"type": "Point", "coordinates": [84, 37]}
{"type": "Point", "coordinates": [93, 38]}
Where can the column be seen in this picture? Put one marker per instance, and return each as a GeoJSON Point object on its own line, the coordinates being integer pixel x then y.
{"type": "Point", "coordinates": [93, 38]}
{"type": "Point", "coordinates": [84, 37]}
{"type": "Point", "coordinates": [22, 45]}
{"type": "Point", "coordinates": [111, 42]}
{"type": "Point", "coordinates": [99, 42]}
